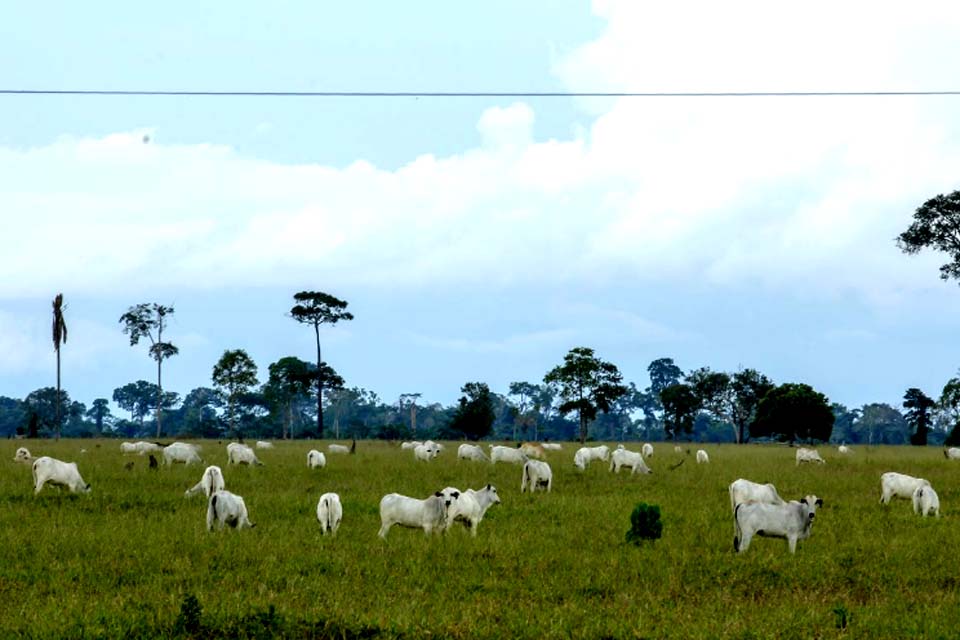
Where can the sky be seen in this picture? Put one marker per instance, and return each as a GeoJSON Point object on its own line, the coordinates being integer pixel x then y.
{"type": "Point", "coordinates": [479, 239]}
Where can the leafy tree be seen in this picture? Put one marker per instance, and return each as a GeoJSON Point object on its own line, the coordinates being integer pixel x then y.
{"type": "Point", "coordinates": [663, 373]}
{"type": "Point", "coordinates": [950, 406]}
{"type": "Point", "coordinates": [59, 336]}
{"type": "Point", "coordinates": [680, 406]}
{"type": "Point", "coordinates": [918, 416]}
{"type": "Point", "coordinates": [141, 321]}
{"type": "Point", "coordinates": [138, 397]}
{"type": "Point", "coordinates": [794, 412]}
{"type": "Point", "coordinates": [199, 412]}
{"type": "Point", "coordinates": [317, 308]}
{"type": "Point", "coordinates": [844, 423]}
{"type": "Point", "coordinates": [525, 395]}
{"type": "Point", "coordinates": [234, 375]}
{"type": "Point", "coordinates": [41, 407]}
{"type": "Point", "coordinates": [880, 423]}
{"type": "Point", "coordinates": [13, 417]}
{"type": "Point", "coordinates": [936, 225]}
{"type": "Point", "coordinates": [100, 414]}
{"type": "Point", "coordinates": [475, 414]}
{"type": "Point", "coordinates": [290, 381]}
{"type": "Point", "coordinates": [587, 385]}
{"type": "Point", "coordinates": [714, 393]}
{"type": "Point", "coordinates": [748, 388]}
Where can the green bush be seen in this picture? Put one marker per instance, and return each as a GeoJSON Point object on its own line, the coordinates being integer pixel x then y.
{"type": "Point", "coordinates": [645, 523]}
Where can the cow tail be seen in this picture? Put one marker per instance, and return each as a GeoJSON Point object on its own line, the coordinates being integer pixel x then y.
{"type": "Point", "coordinates": [525, 479]}
{"type": "Point", "coordinates": [736, 526]}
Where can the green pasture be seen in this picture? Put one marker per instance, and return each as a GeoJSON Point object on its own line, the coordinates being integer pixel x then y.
{"type": "Point", "coordinates": [133, 558]}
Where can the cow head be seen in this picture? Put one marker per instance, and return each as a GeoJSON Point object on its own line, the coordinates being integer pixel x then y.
{"type": "Point", "coordinates": [492, 490]}
{"type": "Point", "coordinates": [86, 489]}
{"type": "Point", "coordinates": [812, 502]}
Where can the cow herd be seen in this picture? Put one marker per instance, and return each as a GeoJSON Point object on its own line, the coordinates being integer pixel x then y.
{"type": "Point", "coordinates": [757, 509]}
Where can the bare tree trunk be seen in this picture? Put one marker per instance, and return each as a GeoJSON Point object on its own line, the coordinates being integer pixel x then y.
{"type": "Point", "coordinates": [59, 401]}
{"type": "Point", "coordinates": [159, 362]}
{"type": "Point", "coordinates": [316, 330]}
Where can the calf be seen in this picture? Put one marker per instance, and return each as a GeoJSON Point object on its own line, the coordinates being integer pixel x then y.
{"type": "Point", "coordinates": [180, 452]}
{"type": "Point", "coordinates": [536, 474]}
{"type": "Point", "coordinates": [429, 514]}
{"type": "Point", "coordinates": [808, 455]}
{"type": "Point", "coordinates": [210, 482]}
{"type": "Point", "coordinates": [329, 513]}
{"type": "Point", "coordinates": [791, 521]}
{"type": "Point", "coordinates": [899, 485]}
{"type": "Point", "coordinates": [499, 453]}
{"type": "Point", "coordinates": [227, 508]}
{"type": "Point", "coordinates": [625, 458]}
{"type": "Point", "coordinates": [471, 452]}
{"type": "Point", "coordinates": [22, 455]}
{"type": "Point", "coordinates": [470, 506]}
{"type": "Point", "coordinates": [316, 459]}
{"type": "Point", "coordinates": [48, 470]}
{"type": "Point", "coordinates": [702, 457]}
{"type": "Point", "coordinates": [238, 453]}
{"type": "Point", "coordinates": [926, 501]}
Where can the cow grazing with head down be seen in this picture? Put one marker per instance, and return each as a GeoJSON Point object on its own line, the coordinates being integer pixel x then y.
{"type": "Point", "coordinates": [471, 452]}
{"type": "Point", "coordinates": [210, 482]}
{"type": "Point", "coordinates": [263, 444]}
{"type": "Point", "coordinates": [632, 459]}
{"type": "Point", "coordinates": [536, 474]}
{"type": "Point", "coordinates": [429, 514]}
{"type": "Point", "coordinates": [552, 446]}
{"type": "Point", "coordinates": [409, 446]}
{"type": "Point", "coordinates": [791, 521]}
{"type": "Point", "coordinates": [316, 459]}
{"type": "Point", "coordinates": [181, 452]}
{"type": "Point", "coordinates": [533, 450]}
{"type": "Point", "coordinates": [225, 508]}
{"type": "Point", "coordinates": [238, 453]}
{"type": "Point", "coordinates": [952, 453]}
{"type": "Point", "coordinates": [329, 513]}
{"type": "Point", "coordinates": [808, 455]}
{"type": "Point", "coordinates": [499, 453]}
{"type": "Point", "coordinates": [926, 502]}
{"type": "Point", "coordinates": [646, 450]}
{"type": "Point", "coordinates": [22, 455]}
{"type": "Point", "coordinates": [899, 485]}
{"type": "Point", "coordinates": [55, 472]}
{"type": "Point", "coordinates": [843, 449]}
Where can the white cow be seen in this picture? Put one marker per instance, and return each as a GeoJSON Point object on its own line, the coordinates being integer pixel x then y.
{"type": "Point", "coordinates": [316, 459]}
{"type": "Point", "coordinates": [808, 455]}
{"type": "Point", "coordinates": [899, 485]}
{"type": "Point", "coordinates": [22, 455]}
{"type": "Point", "coordinates": [746, 491]}
{"type": "Point", "coordinates": [601, 452]}
{"type": "Point", "coordinates": [953, 453]}
{"type": "Point", "coordinates": [471, 452]}
{"type": "Point", "coordinates": [181, 452]}
{"type": "Point", "coordinates": [429, 514]}
{"type": "Point", "coordinates": [791, 521]}
{"type": "Point", "coordinates": [470, 506]}
{"type": "Point", "coordinates": [533, 450]}
{"type": "Point", "coordinates": [536, 474]}
{"type": "Point", "coordinates": [409, 445]}
{"type": "Point", "coordinates": [48, 470]}
{"type": "Point", "coordinates": [585, 455]}
{"type": "Point", "coordinates": [702, 457]}
{"type": "Point", "coordinates": [677, 448]}
{"type": "Point", "coordinates": [843, 449]}
{"type": "Point", "coordinates": [646, 449]}
{"type": "Point", "coordinates": [329, 513]}
{"type": "Point", "coordinates": [625, 458]}
{"type": "Point", "coordinates": [926, 502]}
{"type": "Point", "coordinates": [499, 453]}
{"type": "Point", "coordinates": [263, 444]}
{"type": "Point", "coordinates": [425, 452]}
{"type": "Point", "coordinates": [338, 448]}
{"type": "Point", "coordinates": [552, 446]}
{"type": "Point", "coordinates": [227, 508]}
{"type": "Point", "coordinates": [140, 448]}
{"type": "Point", "coordinates": [210, 482]}
{"type": "Point", "coordinates": [239, 453]}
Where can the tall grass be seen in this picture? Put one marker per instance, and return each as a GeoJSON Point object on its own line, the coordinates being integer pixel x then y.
{"type": "Point", "coordinates": [133, 558]}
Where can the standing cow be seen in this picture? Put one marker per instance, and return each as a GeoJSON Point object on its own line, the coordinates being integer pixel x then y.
{"type": "Point", "coordinates": [48, 470]}
{"type": "Point", "coordinates": [429, 514]}
{"type": "Point", "coordinates": [22, 455]}
{"type": "Point", "coordinates": [329, 513]}
{"type": "Point", "coordinates": [625, 458]}
{"type": "Point", "coordinates": [791, 521]}
{"type": "Point", "coordinates": [899, 485]}
{"type": "Point", "coordinates": [225, 508]}
{"type": "Point", "coordinates": [210, 482]}
{"type": "Point", "coordinates": [926, 502]}
{"type": "Point", "coordinates": [316, 459]}
{"type": "Point", "coordinates": [536, 474]}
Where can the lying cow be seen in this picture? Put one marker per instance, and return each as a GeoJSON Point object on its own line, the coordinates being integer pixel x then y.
{"type": "Point", "coordinates": [702, 457]}
{"type": "Point", "coordinates": [899, 485]}
{"type": "Point", "coordinates": [953, 453]}
{"type": "Point", "coordinates": [338, 448]}
{"type": "Point", "coordinates": [552, 446]}
{"type": "Point", "coordinates": [329, 513]}
{"type": "Point", "coordinates": [316, 459]}
{"type": "Point", "coordinates": [808, 455]}
{"type": "Point", "coordinates": [429, 514]}
{"type": "Point", "coordinates": [238, 453]}
{"type": "Point", "coordinates": [180, 452]}
{"type": "Point", "coordinates": [536, 474]}
{"type": "Point", "coordinates": [499, 453]}
{"type": "Point", "coordinates": [470, 506]}
{"type": "Point", "coordinates": [48, 470]}
{"type": "Point", "coordinates": [225, 508]}
{"type": "Point", "coordinates": [471, 452]}
{"type": "Point", "coordinates": [926, 502]}
{"type": "Point", "coordinates": [631, 459]}
{"type": "Point", "coordinates": [791, 521]}
{"type": "Point", "coordinates": [210, 482]}
{"type": "Point", "coordinates": [263, 444]}
{"type": "Point", "coordinates": [22, 455]}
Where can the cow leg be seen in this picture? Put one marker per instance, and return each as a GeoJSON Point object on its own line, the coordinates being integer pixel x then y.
{"type": "Point", "coordinates": [792, 543]}
{"type": "Point", "coordinates": [384, 528]}
{"type": "Point", "coordinates": [745, 537]}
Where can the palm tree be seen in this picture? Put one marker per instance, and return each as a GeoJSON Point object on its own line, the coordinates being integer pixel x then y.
{"type": "Point", "coordinates": [59, 335]}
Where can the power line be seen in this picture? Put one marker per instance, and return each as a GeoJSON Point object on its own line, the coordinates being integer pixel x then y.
{"type": "Point", "coordinates": [471, 94]}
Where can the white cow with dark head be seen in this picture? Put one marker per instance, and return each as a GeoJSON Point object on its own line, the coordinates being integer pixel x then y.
{"type": "Point", "coordinates": [55, 472]}
{"type": "Point", "coordinates": [225, 508]}
{"type": "Point", "coordinates": [469, 506]}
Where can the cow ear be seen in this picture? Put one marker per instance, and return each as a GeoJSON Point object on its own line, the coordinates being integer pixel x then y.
{"type": "Point", "coordinates": [488, 486]}
{"type": "Point", "coordinates": [819, 502]}
{"type": "Point", "coordinates": [455, 494]}
{"type": "Point", "coordinates": [438, 494]}
{"type": "Point", "coordinates": [803, 501]}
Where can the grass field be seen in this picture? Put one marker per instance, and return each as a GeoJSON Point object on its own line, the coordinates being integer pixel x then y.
{"type": "Point", "coordinates": [133, 558]}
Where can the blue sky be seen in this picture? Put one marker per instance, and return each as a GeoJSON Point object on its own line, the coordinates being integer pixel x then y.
{"type": "Point", "coordinates": [479, 238]}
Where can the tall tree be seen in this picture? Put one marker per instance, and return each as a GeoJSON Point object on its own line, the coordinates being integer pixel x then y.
{"type": "Point", "coordinates": [918, 416]}
{"type": "Point", "coordinates": [143, 320]}
{"type": "Point", "coordinates": [525, 394]}
{"type": "Point", "coordinates": [475, 414]}
{"type": "Point", "coordinates": [794, 412]}
{"type": "Point", "coordinates": [317, 308]}
{"type": "Point", "coordinates": [936, 225]}
{"type": "Point", "coordinates": [680, 406]}
{"type": "Point", "coordinates": [587, 385]}
{"type": "Point", "coordinates": [714, 393]}
{"type": "Point", "coordinates": [880, 423]}
{"type": "Point", "coordinates": [950, 406]}
{"type": "Point", "coordinates": [748, 387]}
{"type": "Point", "coordinates": [289, 382]}
{"type": "Point", "coordinates": [410, 400]}
{"type": "Point", "coordinates": [41, 406]}
{"type": "Point", "coordinates": [137, 398]}
{"type": "Point", "coordinates": [59, 337]}
{"type": "Point", "coordinates": [199, 411]}
{"type": "Point", "coordinates": [234, 375]}
{"type": "Point", "coordinates": [99, 412]}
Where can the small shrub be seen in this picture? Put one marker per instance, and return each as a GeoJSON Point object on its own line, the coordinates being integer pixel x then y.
{"type": "Point", "coordinates": [645, 523]}
{"type": "Point", "coordinates": [189, 619]}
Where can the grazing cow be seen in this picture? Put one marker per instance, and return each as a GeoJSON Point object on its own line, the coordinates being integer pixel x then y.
{"type": "Point", "coordinates": [409, 445]}
{"type": "Point", "coordinates": [843, 449]}
{"type": "Point", "coordinates": [702, 457]}
{"type": "Point", "coordinates": [238, 453]}
{"type": "Point", "coordinates": [677, 448]}
{"type": "Point", "coordinates": [533, 450]}
{"type": "Point", "coordinates": [625, 458]}
{"type": "Point", "coordinates": [424, 452]}
{"type": "Point", "coordinates": [471, 452]}
{"type": "Point", "coordinates": [536, 474]}
{"type": "Point", "coordinates": [140, 448]}
{"type": "Point", "coordinates": [585, 455]}
{"type": "Point", "coordinates": [601, 452]}
{"type": "Point", "coordinates": [552, 446]}
{"type": "Point", "coordinates": [180, 452]}
{"type": "Point", "coordinates": [338, 448]}
{"type": "Point", "coordinates": [263, 444]}
{"type": "Point", "coordinates": [22, 455]}
{"type": "Point", "coordinates": [210, 482]}
{"type": "Point", "coordinates": [429, 514]}
{"type": "Point", "coordinates": [791, 521]}
{"type": "Point", "coordinates": [329, 513]}
{"type": "Point", "coordinates": [470, 505]}
{"type": "Point", "coordinates": [499, 453]}
{"type": "Point", "coordinates": [316, 459]}
{"type": "Point", "coordinates": [899, 485]}
{"type": "Point", "coordinates": [128, 447]}
{"type": "Point", "coordinates": [646, 450]}
{"type": "Point", "coordinates": [808, 455]}
{"type": "Point", "coordinates": [48, 470]}
{"type": "Point", "coordinates": [953, 453]}
{"type": "Point", "coordinates": [227, 508]}
{"type": "Point", "coordinates": [746, 491]}
{"type": "Point", "coordinates": [926, 501]}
